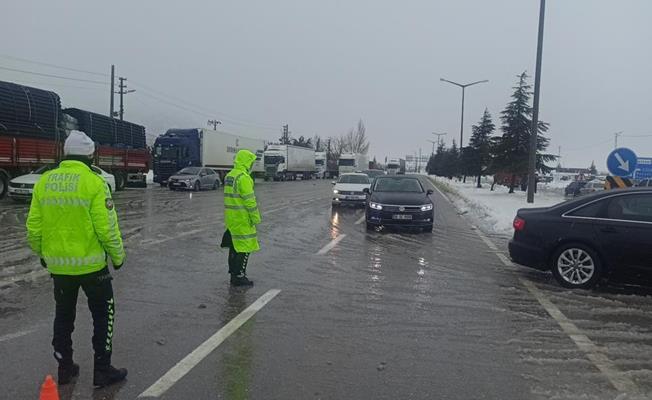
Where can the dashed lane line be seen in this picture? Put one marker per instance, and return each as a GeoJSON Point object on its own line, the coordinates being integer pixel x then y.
{"type": "Point", "coordinates": [15, 335]}
{"type": "Point", "coordinates": [361, 220]}
{"type": "Point", "coordinates": [621, 382]}
{"type": "Point", "coordinates": [191, 360]}
{"type": "Point", "coordinates": [331, 244]}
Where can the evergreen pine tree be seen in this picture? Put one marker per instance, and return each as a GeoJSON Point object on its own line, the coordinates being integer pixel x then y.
{"type": "Point", "coordinates": [511, 153]}
{"type": "Point", "coordinates": [480, 146]}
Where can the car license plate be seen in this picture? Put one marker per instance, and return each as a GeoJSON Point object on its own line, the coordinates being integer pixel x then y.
{"type": "Point", "coordinates": [345, 197]}
{"type": "Point", "coordinates": [401, 216]}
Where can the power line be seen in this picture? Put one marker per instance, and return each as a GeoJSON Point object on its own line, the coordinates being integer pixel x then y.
{"type": "Point", "coordinates": [224, 117]}
{"type": "Point", "coordinates": [22, 71]}
{"type": "Point", "coordinates": [52, 65]}
{"type": "Point", "coordinates": [29, 82]}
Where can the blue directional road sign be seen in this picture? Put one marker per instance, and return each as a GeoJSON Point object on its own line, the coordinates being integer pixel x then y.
{"type": "Point", "coordinates": [643, 168]}
{"type": "Point", "coordinates": [622, 162]}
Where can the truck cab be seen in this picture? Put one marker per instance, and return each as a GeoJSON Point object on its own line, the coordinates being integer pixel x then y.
{"type": "Point", "coordinates": [174, 150]}
{"type": "Point", "coordinates": [320, 164]}
{"type": "Point", "coordinates": [352, 162]}
{"type": "Point", "coordinates": [275, 162]}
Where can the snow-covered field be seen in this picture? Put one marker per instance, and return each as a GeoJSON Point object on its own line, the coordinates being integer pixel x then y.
{"type": "Point", "coordinates": [493, 212]}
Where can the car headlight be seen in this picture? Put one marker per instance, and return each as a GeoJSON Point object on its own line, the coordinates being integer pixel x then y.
{"type": "Point", "coordinates": [426, 207]}
{"type": "Point", "coordinates": [375, 206]}
{"type": "Point", "coordinates": [335, 191]}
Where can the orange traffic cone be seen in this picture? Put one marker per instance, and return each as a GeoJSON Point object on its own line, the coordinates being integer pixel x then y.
{"type": "Point", "coordinates": [49, 389]}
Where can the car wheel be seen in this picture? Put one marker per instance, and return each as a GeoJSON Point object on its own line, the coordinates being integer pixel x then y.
{"type": "Point", "coordinates": [216, 184]}
{"type": "Point", "coordinates": [576, 266]}
{"type": "Point", "coordinates": [371, 227]}
{"type": "Point", "coordinates": [196, 187]}
{"type": "Point", "coordinates": [428, 228]}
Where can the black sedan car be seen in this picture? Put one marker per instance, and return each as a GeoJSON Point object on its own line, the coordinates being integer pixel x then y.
{"type": "Point", "coordinates": [402, 201]}
{"type": "Point", "coordinates": [585, 239]}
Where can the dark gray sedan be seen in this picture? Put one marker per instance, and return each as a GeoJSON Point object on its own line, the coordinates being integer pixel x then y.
{"type": "Point", "coordinates": [194, 178]}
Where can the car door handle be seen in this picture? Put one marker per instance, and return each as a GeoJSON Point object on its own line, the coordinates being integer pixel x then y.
{"type": "Point", "coordinates": [608, 229]}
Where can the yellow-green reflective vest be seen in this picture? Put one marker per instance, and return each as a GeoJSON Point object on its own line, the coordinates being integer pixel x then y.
{"type": "Point", "coordinates": [241, 213]}
{"type": "Point", "coordinates": [72, 223]}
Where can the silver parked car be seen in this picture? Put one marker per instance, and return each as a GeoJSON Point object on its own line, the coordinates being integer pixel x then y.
{"type": "Point", "coordinates": [194, 178]}
{"type": "Point", "coordinates": [592, 187]}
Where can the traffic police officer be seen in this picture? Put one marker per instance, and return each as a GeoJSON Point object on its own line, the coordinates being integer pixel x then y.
{"type": "Point", "coordinates": [72, 226]}
{"type": "Point", "coordinates": [241, 216]}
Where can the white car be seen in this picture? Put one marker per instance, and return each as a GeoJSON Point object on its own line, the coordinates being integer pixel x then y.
{"type": "Point", "coordinates": [349, 189]}
{"type": "Point", "coordinates": [21, 187]}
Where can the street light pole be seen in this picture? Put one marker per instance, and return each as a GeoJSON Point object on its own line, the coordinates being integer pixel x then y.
{"type": "Point", "coordinates": [534, 131]}
{"type": "Point", "coordinates": [463, 86]}
{"type": "Point", "coordinates": [439, 135]}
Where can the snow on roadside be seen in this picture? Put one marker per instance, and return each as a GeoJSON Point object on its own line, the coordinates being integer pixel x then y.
{"type": "Point", "coordinates": [493, 212]}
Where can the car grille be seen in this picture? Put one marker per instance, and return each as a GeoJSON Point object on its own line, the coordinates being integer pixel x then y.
{"type": "Point", "coordinates": [392, 208]}
{"type": "Point", "coordinates": [351, 193]}
{"type": "Point", "coordinates": [21, 185]}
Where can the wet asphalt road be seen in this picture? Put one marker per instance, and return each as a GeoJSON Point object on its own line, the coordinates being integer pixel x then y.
{"type": "Point", "coordinates": [382, 315]}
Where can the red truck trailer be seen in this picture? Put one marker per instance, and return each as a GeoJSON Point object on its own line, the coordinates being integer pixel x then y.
{"type": "Point", "coordinates": [33, 128]}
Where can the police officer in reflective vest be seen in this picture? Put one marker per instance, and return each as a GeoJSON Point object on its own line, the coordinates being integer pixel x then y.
{"type": "Point", "coordinates": [241, 216]}
{"type": "Point", "coordinates": [72, 226]}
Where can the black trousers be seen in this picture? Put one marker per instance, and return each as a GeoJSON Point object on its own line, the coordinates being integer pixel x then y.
{"type": "Point", "coordinates": [237, 261]}
{"type": "Point", "coordinates": [99, 292]}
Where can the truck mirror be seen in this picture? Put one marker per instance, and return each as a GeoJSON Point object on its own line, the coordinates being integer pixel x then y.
{"type": "Point", "coordinates": [366, 190]}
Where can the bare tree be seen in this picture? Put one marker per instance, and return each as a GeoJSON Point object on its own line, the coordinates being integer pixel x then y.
{"type": "Point", "coordinates": [356, 139]}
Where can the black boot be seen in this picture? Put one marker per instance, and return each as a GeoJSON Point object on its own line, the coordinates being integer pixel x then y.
{"type": "Point", "coordinates": [106, 376]}
{"type": "Point", "coordinates": [67, 372]}
{"type": "Point", "coordinates": [241, 281]}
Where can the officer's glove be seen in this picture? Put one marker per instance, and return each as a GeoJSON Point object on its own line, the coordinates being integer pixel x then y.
{"type": "Point", "coordinates": [117, 267]}
{"type": "Point", "coordinates": [43, 264]}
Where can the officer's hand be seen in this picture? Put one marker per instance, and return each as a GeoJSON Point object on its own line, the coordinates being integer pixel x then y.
{"type": "Point", "coordinates": [43, 264]}
{"type": "Point", "coordinates": [117, 267]}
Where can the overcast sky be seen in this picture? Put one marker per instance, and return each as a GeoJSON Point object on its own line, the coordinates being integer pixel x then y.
{"type": "Point", "coordinates": [319, 66]}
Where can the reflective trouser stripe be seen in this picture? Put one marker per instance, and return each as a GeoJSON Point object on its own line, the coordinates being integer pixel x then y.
{"type": "Point", "coordinates": [248, 196]}
{"type": "Point", "coordinates": [232, 195]}
{"type": "Point", "coordinates": [229, 207]}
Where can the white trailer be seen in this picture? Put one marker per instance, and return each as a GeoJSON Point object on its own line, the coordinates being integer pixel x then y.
{"type": "Point", "coordinates": [352, 162]}
{"type": "Point", "coordinates": [320, 165]}
{"type": "Point", "coordinates": [286, 162]}
{"type": "Point", "coordinates": [218, 149]}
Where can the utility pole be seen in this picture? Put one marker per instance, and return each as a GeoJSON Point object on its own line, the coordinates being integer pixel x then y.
{"type": "Point", "coordinates": [534, 131]}
{"type": "Point", "coordinates": [616, 136]}
{"type": "Point", "coordinates": [463, 86]}
{"type": "Point", "coordinates": [112, 90]}
{"type": "Point", "coordinates": [122, 92]}
{"type": "Point", "coordinates": [214, 122]}
{"type": "Point", "coordinates": [439, 135]}
{"type": "Point", "coordinates": [419, 162]}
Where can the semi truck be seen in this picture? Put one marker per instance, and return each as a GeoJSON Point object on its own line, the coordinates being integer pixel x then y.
{"type": "Point", "coordinates": [33, 128]}
{"type": "Point", "coordinates": [320, 165]}
{"type": "Point", "coordinates": [352, 162]}
{"type": "Point", "coordinates": [197, 147]}
{"type": "Point", "coordinates": [286, 162]}
{"type": "Point", "coordinates": [396, 166]}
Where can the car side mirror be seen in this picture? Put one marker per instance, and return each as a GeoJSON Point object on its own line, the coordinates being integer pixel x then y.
{"type": "Point", "coordinates": [430, 191]}
{"type": "Point", "coordinates": [203, 174]}
{"type": "Point", "coordinates": [333, 182]}
{"type": "Point", "coordinates": [366, 190]}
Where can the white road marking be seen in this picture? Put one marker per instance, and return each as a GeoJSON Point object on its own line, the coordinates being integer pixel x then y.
{"type": "Point", "coordinates": [621, 382]}
{"type": "Point", "coordinates": [330, 245]}
{"type": "Point", "coordinates": [191, 360]}
{"type": "Point", "coordinates": [361, 220]}
{"type": "Point", "coordinates": [15, 335]}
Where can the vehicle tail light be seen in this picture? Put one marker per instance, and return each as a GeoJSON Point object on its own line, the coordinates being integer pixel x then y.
{"type": "Point", "coordinates": [519, 224]}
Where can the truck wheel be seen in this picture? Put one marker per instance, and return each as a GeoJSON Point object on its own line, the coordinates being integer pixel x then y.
{"type": "Point", "coordinates": [4, 184]}
{"type": "Point", "coordinates": [119, 181]}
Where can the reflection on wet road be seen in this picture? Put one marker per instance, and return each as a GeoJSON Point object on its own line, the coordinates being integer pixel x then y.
{"type": "Point", "coordinates": [361, 315]}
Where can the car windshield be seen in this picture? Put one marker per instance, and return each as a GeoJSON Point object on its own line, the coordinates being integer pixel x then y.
{"type": "Point", "coordinates": [373, 173]}
{"type": "Point", "coordinates": [43, 169]}
{"type": "Point", "coordinates": [189, 171]}
{"type": "Point", "coordinates": [274, 159]}
{"type": "Point", "coordinates": [398, 185]}
{"type": "Point", "coordinates": [360, 179]}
